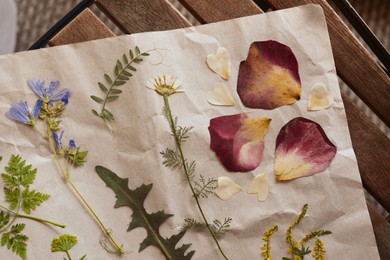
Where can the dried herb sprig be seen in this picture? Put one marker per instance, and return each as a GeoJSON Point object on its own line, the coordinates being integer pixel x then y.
{"type": "Point", "coordinates": [166, 86]}
{"type": "Point", "coordinates": [49, 107]}
{"type": "Point", "coordinates": [123, 71]}
{"type": "Point", "coordinates": [299, 251]}
{"type": "Point", "coordinates": [17, 181]}
{"type": "Point", "coordinates": [64, 243]}
{"type": "Point", "coordinates": [266, 248]}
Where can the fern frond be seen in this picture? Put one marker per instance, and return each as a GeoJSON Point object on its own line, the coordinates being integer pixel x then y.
{"type": "Point", "coordinates": [15, 240]}
{"type": "Point", "coordinates": [192, 223]}
{"type": "Point", "coordinates": [203, 188]}
{"type": "Point", "coordinates": [170, 158]}
{"type": "Point", "coordinates": [220, 228]}
{"type": "Point", "coordinates": [182, 133]}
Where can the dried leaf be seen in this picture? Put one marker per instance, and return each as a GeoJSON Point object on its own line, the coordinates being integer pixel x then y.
{"type": "Point", "coordinates": [135, 200]}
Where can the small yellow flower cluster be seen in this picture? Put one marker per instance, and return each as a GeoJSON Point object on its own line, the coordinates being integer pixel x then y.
{"type": "Point", "coordinates": [318, 250]}
{"type": "Point", "coordinates": [266, 249]}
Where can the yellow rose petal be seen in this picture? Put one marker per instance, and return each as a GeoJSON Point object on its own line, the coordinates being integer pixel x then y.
{"type": "Point", "coordinates": [226, 188]}
{"type": "Point", "coordinates": [319, 97]}
{"type": "Point", "coordinates": [220, 96]}
{"type": "Point", "coordinates": [259, 185]}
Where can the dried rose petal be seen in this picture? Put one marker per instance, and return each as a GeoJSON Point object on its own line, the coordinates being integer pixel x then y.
{"type": "Point", "coordinates": [220, 62]}
{"type": "Point", "coordinates": [259, 186]}
{"type": "Point", "coordinates": [319, 97]}
{"type": "Point", "coordinates": [226, 188]}
{"type": "Point", "coordinates": [269, 78]}
{"type": "Point", "coordinates": [302, 149]}
{"type": "Point", "coordinates": [220, 95]}
{"type": "Point", "coordinates": [238, 141]}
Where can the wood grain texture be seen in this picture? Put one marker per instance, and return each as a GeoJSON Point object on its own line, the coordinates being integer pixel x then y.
{"type": "Point", "coordinates": [221, 10]}
{"type": "Point", "coordinates": [381, 231]}
{"type": "Point", "coordinates": [140, 16]}
{"type": "Point", "coordinates": [353, 62]}
{"type": "Point", "coordinates": [85, 27]}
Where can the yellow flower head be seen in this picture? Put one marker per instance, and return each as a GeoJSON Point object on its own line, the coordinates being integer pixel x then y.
{"type": "Point", "coordinates": [164, 85]}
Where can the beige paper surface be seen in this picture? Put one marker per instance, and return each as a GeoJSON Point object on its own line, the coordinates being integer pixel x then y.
{"type": "Point", "coordinates": [132, 148]}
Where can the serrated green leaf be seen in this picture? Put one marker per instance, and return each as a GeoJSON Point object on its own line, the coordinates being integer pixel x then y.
{"type": "Point", "coordinates": [115, 91]}
{"type": "Point", "coordinates": [63, 243]}
{"type": "Point", "coordinates": [9, 180]}
{"type": "Point", "coordinates": [112, 98]}
{"type": "Point", "coordinates": [32, 199]}
{"type": "Point", "coordinates": [125, 59]}
{"type": "Point", "coordinates": [97, 99]}
{"type": "Point", "coordinates": [137, 50]}
{"type": "Point", "coordinates": [135, 199]}
{"type": "Point", "coordinates": [4, 219]}
{"type": "Point", "coordinates": [103, 87]}
{"type": "Point", "coordinates": [15, 240]}
{"type": "Point", "coordinates": [119, 82]}
{"type": "Point", "coordinates": [108, 78]}
{"type": "Point", "coordinates": [131, 54]}
{"type": "Point", "coordinates": [12, 196]}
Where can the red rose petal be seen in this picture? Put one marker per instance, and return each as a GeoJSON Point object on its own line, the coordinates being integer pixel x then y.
{"type": "Point", "coordinates": [302, 149]}
{"type": "Point", "coordinates": [238, 141]}
{"type": "Point", "coordinates": [269, 77]}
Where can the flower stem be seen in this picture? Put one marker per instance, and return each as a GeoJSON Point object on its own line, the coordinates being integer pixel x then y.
{"type": "Point", "coordinates": [33, 217]}
{"type": "Point", "coordinates": [67, 253]}
{"type": "Point", "coordinates": [119, 249]}
{"type": "Point", "coordinates": [183, 160]}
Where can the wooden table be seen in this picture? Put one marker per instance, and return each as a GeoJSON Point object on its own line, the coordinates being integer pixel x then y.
{"type": "Point", "coordinates": [354, 65]}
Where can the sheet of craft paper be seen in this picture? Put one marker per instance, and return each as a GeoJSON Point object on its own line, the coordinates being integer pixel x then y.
{"type": "Point", "coordinates": [131, 147]}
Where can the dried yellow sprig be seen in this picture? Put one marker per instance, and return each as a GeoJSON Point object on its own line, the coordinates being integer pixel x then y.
{"type": "Point", "coordinates": [318, 250]}
{"type": "Point", "coordinates": [266, 249]}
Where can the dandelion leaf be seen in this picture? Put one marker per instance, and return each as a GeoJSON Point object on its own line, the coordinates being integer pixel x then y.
{"type": "Point", "coordinates": [135, 199]}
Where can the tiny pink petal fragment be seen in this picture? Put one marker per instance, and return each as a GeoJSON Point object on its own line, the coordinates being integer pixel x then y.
{"type": "Point", "coordinates": [238, 141]}
{"type": "Point", "coordinates": [269, 78]}
{"type": "Point", "coordinates": [302, 149]}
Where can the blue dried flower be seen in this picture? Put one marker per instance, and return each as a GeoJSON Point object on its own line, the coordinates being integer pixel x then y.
{"type": "Point", "coordinates": [57, 138]}
{"type": "Point", "coordinates": [20, 112]}
{"type": "Point", "coordinates": [72, 144]}
{"type": "Point", "coordinates": [49, 94]}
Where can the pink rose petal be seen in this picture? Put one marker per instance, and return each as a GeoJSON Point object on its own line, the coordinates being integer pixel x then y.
{"type": "Point", "coordinates": [269, 78]}
{"type": "Point", "coordinates": [238, 141]}
{"type": "Point", "coordinates": [302, 149]}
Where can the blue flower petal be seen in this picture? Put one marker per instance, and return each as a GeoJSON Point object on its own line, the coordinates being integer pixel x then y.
{"type": "Point", "coordinates": [72, 144]}
{"type": "Point", "coordinates": [52, 87]}
{"type": "Point", "coordinates": [63, 94]}
{"type": "Point", "coordinates": [19, 112]}
{"type": "Point", "coordinates": [37, 86]}
{"type": "Point", "coordinates": [57, 138]}
{"type": "Point", "coordinates": [37, 108]}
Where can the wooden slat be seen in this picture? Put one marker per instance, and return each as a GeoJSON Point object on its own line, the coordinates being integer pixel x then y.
{"type": "Point", "coordinates": [372, 148]}
{"type": "Point", "coordinates": [353, 62]}
{"type": "Point", "coordinates": [85, 27]}
{"type": "Point", "coordinates": [139, 16]}
{"type": "Point", "coordinates": [221, 10]}
{"type": "Point", "coordinates": [381, 231]}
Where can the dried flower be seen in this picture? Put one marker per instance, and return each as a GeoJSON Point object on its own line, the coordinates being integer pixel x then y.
{"type": "Point", "coordinates": [49, 94]}
{"type": "Point", "coordinates": [20, 112]}
{"type": "Point", "coordinates": [164, 85]}
{"type": "Point", "coordinates": [266, 249]}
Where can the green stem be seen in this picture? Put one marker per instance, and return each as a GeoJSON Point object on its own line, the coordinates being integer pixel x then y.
{"type": "Point", "coordinates": [183, 160]}
{"type": "Point", "coordinates": [67, 178]}
{"type": "Point", "coordinates": [112, 84]}
{"type": "Point", "coordinates": [33, 218]}
{"type": "Point", "coordinates": [67, 253]}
